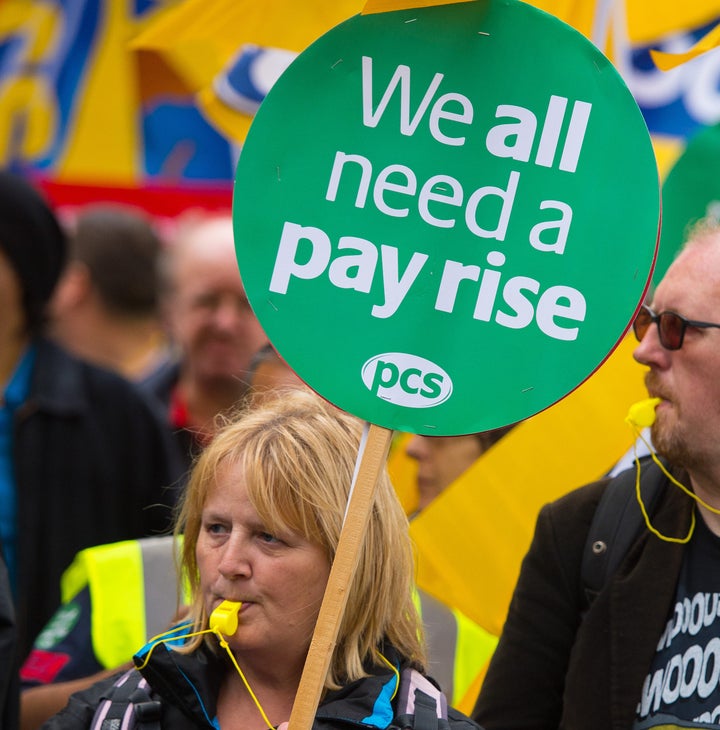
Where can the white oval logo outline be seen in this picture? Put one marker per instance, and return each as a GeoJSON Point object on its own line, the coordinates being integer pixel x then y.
{"type": "Point", "coordinates": [407, 380]}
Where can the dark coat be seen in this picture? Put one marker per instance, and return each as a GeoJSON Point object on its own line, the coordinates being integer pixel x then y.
{"type": "Point", "coordinates": [160, 385]}
{"type": "Point", "coordinates": [187, 687]}
{"type": "Point", "coordinates": [553, 670]}
{"type": "Point", "coordinates": [93, 464]}
{"type": "Point", "coordinates": [9, 681]}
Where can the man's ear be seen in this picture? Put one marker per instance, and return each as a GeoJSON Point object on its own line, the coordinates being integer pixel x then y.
{"type": "Point", "coordinates": [73, 288]}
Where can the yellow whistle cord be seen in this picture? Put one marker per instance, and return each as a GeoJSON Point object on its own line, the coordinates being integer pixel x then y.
{"type": "Point", "coordinates": [394, 671]}
{"type": "Point", "coordinates": [690, 493]}
{"type": "Point", "coordinates": [643, 509]}
{"type": "Point", "coordinates": [223, 643]}
{"type": "Point", "coordinates": [226, 616]}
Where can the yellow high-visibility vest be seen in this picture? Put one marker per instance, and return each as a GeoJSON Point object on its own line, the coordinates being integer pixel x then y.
{"type": "Point", "coordinates": [134, 596]}
{"type": "Point", "coordinates": [458, 649]}
{"type": "Point", "coordinates": [133, 592]}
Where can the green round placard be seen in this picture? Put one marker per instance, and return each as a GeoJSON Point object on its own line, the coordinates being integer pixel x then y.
{"type": "Point", "coordinates": [446, 217]}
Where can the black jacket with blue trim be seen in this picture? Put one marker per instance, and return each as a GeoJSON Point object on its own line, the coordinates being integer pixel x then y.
{"type": "Point", "coordinates": [187, 686]}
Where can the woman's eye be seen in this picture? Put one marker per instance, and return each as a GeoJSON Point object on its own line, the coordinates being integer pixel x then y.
{"type": "Point", "coordinates": [268, 538]}
{"type": "Point", "coordinates": [215, 528]}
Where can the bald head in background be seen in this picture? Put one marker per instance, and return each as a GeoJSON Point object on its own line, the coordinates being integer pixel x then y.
{"type": "Point", "coordinates": [209, 315]}
{"type": "Point", "coordinates": [211, 324]}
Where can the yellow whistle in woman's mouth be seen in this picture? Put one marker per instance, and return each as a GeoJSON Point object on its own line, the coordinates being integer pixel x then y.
{"type": "Point", "coordinates": [225, 617]}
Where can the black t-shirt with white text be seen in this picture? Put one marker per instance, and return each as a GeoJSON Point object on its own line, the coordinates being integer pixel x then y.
{"type": "Point", "coordinates": [682, 688]}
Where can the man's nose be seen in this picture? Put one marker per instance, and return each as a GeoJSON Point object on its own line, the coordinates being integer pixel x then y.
{"type": "Point", "coordinates": [227, 313]}
{"type": "Point", "coordinates": [649, 351]}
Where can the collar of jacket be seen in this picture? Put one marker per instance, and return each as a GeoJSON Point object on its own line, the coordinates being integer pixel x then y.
{"type": "Point", "coordinates": [191, 683]}
{"type": "Point", "coordinates": [367, 702]}
{"type": "Point", "coordinates": [162, 381]}
{"type": "Point", "coordinates": [57, 382]}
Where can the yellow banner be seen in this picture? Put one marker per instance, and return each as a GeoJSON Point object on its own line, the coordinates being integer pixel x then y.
{"type": "Point", "coordinates": [667, 61]}
{"type": "Point", "coordinates": [471, 540]}
{"type": "Point", "coordinates": [199, 40]}
{"type": "Point", "coordinates": [384, 6]}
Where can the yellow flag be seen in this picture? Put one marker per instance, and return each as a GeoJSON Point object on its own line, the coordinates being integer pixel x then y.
{"type": "Point", "coordinates": [645, 21]}
{"type": "Point", "coordinates": [666, 61]}
{"type": "Point", "coordinates": [384, 6]}
{"type": "Point", "coordinates": [648, 21]}
{"type": "Point", "coordinates": [98, 140]}
{"type": "Point", "coordinates": [197, 39]}
{"type": "Point", "coordinates": [471, 540]}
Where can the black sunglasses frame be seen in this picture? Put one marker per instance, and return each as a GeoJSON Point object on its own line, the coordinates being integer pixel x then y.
{"type": "Point", "coordinates": [667, 315]}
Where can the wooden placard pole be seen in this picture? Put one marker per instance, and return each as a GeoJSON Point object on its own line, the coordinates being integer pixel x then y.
{"type": "Point", "coordinates": [342, 573]}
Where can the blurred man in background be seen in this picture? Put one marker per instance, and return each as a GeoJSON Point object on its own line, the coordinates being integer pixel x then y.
{"type": "Point", "coordinates": [106, 307]}
{"type": "Point", "coordinates": [212, 327]}
{"type": "Point", "coordinates": [84, 456]}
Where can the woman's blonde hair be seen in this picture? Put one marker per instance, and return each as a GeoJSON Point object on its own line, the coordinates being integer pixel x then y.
{"type": "Point", "coordinates": [298, 456]}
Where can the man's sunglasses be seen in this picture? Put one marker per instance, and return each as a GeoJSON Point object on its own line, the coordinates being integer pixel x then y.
{"type": "Point", "coordinates": [671, 326]}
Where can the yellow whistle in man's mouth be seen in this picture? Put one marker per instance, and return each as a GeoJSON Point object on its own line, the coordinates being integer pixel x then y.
{"type": "Point", "coordinates": [225, 617]}
{"type": "Point", "coordinates": [642, 414]}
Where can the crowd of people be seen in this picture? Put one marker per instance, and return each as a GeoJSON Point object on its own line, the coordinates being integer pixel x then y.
{"type": "Point", "coordinates": [144, 416]}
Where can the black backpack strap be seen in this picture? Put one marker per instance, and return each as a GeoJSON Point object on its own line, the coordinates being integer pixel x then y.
{"type": "Point", "coordinates": [420, 704]}
{"type": "Point", "coordinates": [128, 703]}
{"type": "Point", "coordinates": [616, 524]}
{"type": "Point", "coordinates": [425, 713]}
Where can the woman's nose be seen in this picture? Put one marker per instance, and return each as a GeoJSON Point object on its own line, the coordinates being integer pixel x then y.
{"type": "Point", "coordinates": [234, 562]}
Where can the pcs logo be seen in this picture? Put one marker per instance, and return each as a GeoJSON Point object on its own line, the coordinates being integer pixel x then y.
{"type": "Point", "coordinates": [406, 380]}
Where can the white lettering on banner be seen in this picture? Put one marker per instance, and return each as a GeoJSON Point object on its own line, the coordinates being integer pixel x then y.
{"type": "Point", "coordinates": [444, 202]}
{"type": "Point", "coordinates": [405, 183]}
{"type": "Point", "coordinates": [549, 305]}
{"type": "Point", "coordinates": [305, 252]}
{"type": "Point", "coordinates": [395, 286]}
{"type": "Point", "coordinates": [522, 131]}
{"type": "Point", "coordinates": [408, 126]}
{"type": "Point", "coordinates": [563, 228]}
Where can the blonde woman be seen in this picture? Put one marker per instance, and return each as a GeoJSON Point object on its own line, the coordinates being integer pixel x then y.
{"type": "Point", "coordinates": [261, 521]}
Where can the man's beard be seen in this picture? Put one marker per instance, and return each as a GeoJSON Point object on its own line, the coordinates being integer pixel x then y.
{"type": "Point", "coordinates": [671, 445]}
{"type": "Point", "coordinates": [667, 438]}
